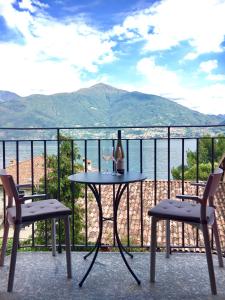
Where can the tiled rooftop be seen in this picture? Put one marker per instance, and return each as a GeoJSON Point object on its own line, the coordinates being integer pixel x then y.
{"type": "Point", "coordinates": [40, 276]}
{"type": "Point", "coordinates": [148, 202]}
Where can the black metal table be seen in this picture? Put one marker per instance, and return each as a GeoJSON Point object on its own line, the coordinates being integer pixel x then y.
{"type": "Point", "coordinates": [96, 178]}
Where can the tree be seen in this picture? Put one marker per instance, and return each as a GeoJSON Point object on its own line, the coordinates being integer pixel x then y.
{"type": "Point", "coordinates": [65, 149]}
{"type": "Point", "coordinates": [204, 159]}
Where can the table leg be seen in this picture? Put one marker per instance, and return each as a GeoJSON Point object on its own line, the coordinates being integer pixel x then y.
{"type": "Point", "coordinates": [119, 193]}
{"type": "Point", "coordinates": [92, 250]}
{"type": "Point", "coordinates": [114, 222]}
{"type": "Point", "coordinates": [98, 243]}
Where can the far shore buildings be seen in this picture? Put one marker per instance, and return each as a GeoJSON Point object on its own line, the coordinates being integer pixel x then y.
{"type": "Point", "coordinates": [25, 169]}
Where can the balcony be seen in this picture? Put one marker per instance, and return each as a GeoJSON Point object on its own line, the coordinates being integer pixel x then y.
{"type": "Point", "coordinates": [151, 150]}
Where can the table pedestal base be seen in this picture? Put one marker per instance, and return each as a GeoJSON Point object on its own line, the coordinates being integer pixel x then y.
{"type": "Point", "coordinates": [119, 193]}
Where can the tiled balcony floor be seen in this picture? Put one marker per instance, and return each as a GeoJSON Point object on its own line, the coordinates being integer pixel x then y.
{"type": "Point", "coordinates": [41, 276]}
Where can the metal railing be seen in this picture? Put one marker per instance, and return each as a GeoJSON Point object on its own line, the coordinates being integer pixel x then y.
{"type": "Point", "coordinates": [154, 150]}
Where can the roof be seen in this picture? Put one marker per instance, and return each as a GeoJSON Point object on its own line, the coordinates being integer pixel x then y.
{"type": "Point", "coordinates": [24, 170]}
{"type": "Point", "coordinates": [136, 204]}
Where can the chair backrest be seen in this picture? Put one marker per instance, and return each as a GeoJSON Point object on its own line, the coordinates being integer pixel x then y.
{"type": "Point", "coordinates": [212, 184]}
{"type": "Point", "coordinates": [11, 191]}
{"type": "Point", "coordinates": [222, 166]}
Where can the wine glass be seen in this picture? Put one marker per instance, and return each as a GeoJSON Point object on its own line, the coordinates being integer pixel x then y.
{"type": "Point", "coordinates": [115, 162]}
{"type": "Point", "coordinates": [115, 173]}
{"type": "Point", "coordinates": [107, 154]}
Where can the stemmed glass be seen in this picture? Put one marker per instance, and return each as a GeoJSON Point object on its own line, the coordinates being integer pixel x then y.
{"type": "Point", "coordinates": [107, 155]}
{"type": "Point", "coordinates": [115, 173]}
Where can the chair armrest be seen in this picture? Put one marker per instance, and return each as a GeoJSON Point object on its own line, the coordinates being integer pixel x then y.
{"type": "Point", "coordinates": [35, 196]}
{"type": "Point", "coordinates": [202, 184]}
{"type": "Point", "coordinates": [189, 197]}
{"type": "Point", "coordinates": [26, 185]}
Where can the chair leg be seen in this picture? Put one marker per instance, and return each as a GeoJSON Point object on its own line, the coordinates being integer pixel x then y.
{"type": "Point", "coordinates": [53, 238]}
{"type": "Point", "coordinates": [68, 250]}
{"type": "Point", "coordinates": [153, 249]}
{"type": "Point", "coordinates": [13, 257]}
{"type": "Point", "coordinates": [167, 238]}
{"type": "Point", "coordinates": [209, 259]}
{"type": "Point", "coordinates": [4, 243]}
{"type": "Point", "coordinates": [217, 241]}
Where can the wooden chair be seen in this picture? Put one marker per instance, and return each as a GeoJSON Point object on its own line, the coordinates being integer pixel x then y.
{"type": "Point", "coordinates": [202, 184]}
{"type": "Point", "coordinates": [21, 191]}
{"type": "Point", "coordinates": [20, 215]}
{"type": "Point", "coordinates": [200, 214]}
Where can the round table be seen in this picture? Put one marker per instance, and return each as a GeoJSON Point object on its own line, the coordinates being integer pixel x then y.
{"type": "Point", "coordinates": [93, 179]}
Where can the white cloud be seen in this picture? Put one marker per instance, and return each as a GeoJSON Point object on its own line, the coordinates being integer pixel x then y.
{"type": "Point", "coordinates": [208, 99]}
{"type": "Point", "coordinates": [32, 5]}
{"type": "Point", "coordinates": [168, 23]}
{"type": "Point", "coordinates": [27, 4]}
{"type": "Point", "coordinates": [52, 54]}
{"type": "Point", "coordinates": [40, 4]}
{"type": "Point", "coordinates": [208, 66]}
{"type": "Point", "coordinates": [189, 20]}
{"type": "Point", "coordinates": [159, 80]}
{"type": "Point", "coordinates": [216, 77]}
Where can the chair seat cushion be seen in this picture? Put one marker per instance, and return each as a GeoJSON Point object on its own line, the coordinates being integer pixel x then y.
{"type": "Point", "coordinates": [39, 210]}
{"type": "Point", "coordinates": [180, 211]}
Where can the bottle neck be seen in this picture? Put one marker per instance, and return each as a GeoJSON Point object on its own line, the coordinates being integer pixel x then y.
{"type": "Point", "coordinates": [119, 135]}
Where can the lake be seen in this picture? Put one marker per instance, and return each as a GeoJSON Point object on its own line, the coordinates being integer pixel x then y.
{"type": "Point", "coordinates": [24, 150]}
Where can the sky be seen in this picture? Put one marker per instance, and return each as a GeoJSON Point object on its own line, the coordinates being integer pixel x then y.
{"type": "Point", "coordinates": [170, 48]}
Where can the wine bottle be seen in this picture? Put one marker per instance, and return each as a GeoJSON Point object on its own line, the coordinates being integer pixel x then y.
{"type": "Point", "coordinates": [119, 154]}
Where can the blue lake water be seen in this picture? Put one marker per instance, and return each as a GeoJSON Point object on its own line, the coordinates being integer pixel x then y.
{"type": "Point", "coordinates": [92, 154]}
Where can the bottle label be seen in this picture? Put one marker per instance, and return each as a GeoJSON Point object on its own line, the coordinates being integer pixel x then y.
{"type": "Point", "coordinates": [120, 166]}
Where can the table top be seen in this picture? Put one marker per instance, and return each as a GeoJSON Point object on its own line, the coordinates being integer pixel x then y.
{"type": "Point", "coordinates": [100, 178]}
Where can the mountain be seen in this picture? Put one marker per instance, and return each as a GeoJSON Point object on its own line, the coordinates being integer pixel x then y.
{"type": "Point", "coordinates": [99, 105]}
{"type": "Point", "coordinates": [8, 96]}
{"type": "Point", "coordinates": [222, 119]}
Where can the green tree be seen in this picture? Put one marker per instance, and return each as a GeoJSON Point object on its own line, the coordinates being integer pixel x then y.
{"type": "Point", "coordinates": [65, 189]}
{"type": "Point", "coordinates": [204, 159]}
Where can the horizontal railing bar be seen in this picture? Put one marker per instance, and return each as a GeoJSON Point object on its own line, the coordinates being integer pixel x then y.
{"type": "Point", "coordinates": [111, 127]}
{"type": "Point", "coordinates": [110, 139]}
{"type": "Point", "coordinates": [114, 246]}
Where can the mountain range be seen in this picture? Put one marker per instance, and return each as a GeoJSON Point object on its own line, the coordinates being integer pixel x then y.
{"type": "Point", "coordinates": [99, 105]}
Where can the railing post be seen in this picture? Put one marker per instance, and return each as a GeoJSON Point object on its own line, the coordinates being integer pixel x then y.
{"type": "Point", "coordinates": [128, 196]}
{"type": "Point", "coordinates": [45, 189]}
{"type": "Point", "coordinates": [141, 192]}
{"type": "Point", "coordinates": [168, 249]}
{"type": "Point", "coordinates": [197, 179]}
{"type": "Point", "coordinates": [182, 179]}
{"type": "Point", "coordinates": [4, 166]}
{"type": "Point", "coordinates": [32, 181]}
{"type": "Point", "coordinates": [212, 158]}
{"type": "Point", "coordinates": [86, 195]}
{"type": "Point", "coordinates": [73, 194]}
{"type": "Point", "coordinates": [155, 171]}
{"type": "Point", "coordinates": [212, 170]}
{"type": "Point", "coordinates": [17, 162]}
{"type": "Point", "coordinates": [168, 166]}
{"type": "Point", "coordinates": [59, 176]}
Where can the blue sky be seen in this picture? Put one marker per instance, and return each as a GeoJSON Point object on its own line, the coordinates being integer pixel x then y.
{"type": "Point", "coordinates": [172, 48]}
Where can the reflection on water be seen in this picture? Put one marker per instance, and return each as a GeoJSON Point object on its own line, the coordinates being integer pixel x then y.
{"type": "Point", "coordinates": [133, 158]}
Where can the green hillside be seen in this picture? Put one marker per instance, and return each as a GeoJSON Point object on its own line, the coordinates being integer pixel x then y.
{"type": "Point", "coordinates": [99, 105]}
